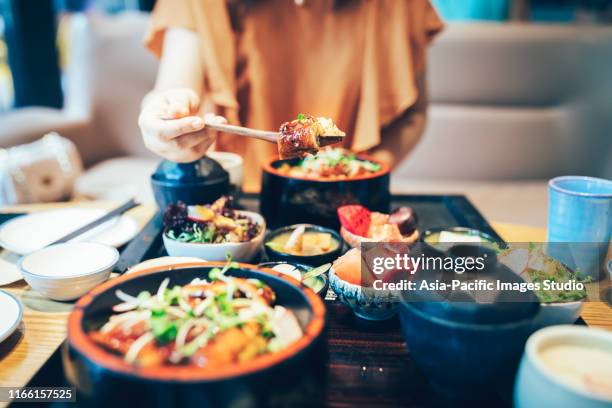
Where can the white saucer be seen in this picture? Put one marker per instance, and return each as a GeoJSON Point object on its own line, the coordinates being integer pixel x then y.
{"type": "Point", "coordinates": [10, 316]}
{"type": "Point", "coordinates": [28, 233]}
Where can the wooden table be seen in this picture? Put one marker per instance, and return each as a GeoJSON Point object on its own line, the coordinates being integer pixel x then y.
{"type": "Point", "coordinates": [44, 322]}
{"type": "Point", "coordinates": [43, 327]}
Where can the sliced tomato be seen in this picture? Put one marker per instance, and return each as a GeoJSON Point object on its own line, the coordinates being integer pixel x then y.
{"type": "Point", "coordinates": [355, 218]}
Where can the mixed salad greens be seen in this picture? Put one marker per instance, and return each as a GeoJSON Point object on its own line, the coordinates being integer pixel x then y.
{"type": "Point", "coordinates": [214, 223]}
{"type": "Point", "coordinates": [535, 266]}
{"type": "Point", "coordinates": [331, 163]}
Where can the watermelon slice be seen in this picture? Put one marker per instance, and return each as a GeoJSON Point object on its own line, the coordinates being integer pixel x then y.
{"type": "Point", "coordinates": [355, 218]}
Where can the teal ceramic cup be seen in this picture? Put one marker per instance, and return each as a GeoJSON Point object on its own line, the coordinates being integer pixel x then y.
{"type": "Point", "coordinates": [580, 222]}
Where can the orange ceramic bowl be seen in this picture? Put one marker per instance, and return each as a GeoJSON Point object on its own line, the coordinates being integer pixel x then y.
{"type": "Point", "coordinates": [105, 378]}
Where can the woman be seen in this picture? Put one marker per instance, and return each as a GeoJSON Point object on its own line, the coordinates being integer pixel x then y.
{"type": "Point", "coordinates": [262, 62]}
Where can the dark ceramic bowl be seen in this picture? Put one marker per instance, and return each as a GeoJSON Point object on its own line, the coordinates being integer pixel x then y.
{"type": "Point", "coordinates": [473, 248]}
{"type": "Point", "coordinates": [199, 182]}
{"type": "Point", "coordinates": [290, 200]}
{"type": "Point", "coordinates": [312, 260]}
{"type": "Point", "coordinates": [303, 269]}
{"type": "Point", "coordinates": [285, 378]}
{"type": "Point", "coordinates": [468, 349]}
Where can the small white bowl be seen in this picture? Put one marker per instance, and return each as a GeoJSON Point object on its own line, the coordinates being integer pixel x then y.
{"type": "Point", "coordinates": [68, 271]}
{"type": "Point", "coordinates": [232, 163]}
{"type": "Point", "coordinates": [536, 386]}
{"type": "Point", "coordinates": [552, 314]}
{"type": "Point", "coordinates": [240, 251]}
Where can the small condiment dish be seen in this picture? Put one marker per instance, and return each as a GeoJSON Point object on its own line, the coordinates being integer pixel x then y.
{"type": "Point", "coordinates": [68, 271]}
{"type": "Point", "coordinates": [314, 260]}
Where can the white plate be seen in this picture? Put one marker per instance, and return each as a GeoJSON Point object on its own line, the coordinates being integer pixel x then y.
{"type": "Point", "coordinates": [10, 316]}
{"type": "Point", "coordinates": [28, 233]}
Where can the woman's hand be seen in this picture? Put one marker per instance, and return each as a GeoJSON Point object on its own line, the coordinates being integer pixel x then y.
{"type": "Point", "coordinates": [170, 128]}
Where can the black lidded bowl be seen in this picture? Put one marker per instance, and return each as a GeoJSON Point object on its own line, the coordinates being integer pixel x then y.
{"type": "Point", "coordinates": [289, 200]}
{"type": "Point", "coordinates": [196, 183]}
{"type": "Point", "coordinates": [286, 378]}
{"type": "Point", "coordinates": [312, 260]}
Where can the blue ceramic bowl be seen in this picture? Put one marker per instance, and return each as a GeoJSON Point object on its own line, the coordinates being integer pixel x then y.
{"type": "Point", "coordinates": [366, 303]}
{"type": "Point", "coordinates": [462, 360]}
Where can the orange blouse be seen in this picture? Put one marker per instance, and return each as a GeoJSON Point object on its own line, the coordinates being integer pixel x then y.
{"type": "Point", "coordinates": [266, 63]}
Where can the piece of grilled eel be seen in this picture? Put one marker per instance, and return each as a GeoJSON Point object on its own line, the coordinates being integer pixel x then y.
{"type": "Point", "coordinates": [306, 135]}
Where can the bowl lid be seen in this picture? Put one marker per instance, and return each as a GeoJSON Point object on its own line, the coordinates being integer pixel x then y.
{"type": "Point", "coordinates": [477, 307]}
{"type": "Point", "coordinates": [205, 171]}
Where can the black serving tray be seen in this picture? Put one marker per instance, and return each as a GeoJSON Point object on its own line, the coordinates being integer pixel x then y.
{"type": "Point", "coordinates": [369, 363]}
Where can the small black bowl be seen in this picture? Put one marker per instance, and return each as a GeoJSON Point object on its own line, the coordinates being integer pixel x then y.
{"type": "Point", "coordinates": [439, 250]}
{"type": "Point", "coordinates": [285, 378]}
{"type": "Point", "coordinates": [312, 260]}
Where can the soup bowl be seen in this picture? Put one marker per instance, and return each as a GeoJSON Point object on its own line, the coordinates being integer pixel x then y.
{"type": "Point", "coordinates": [283, 378]}
{"type": "Point", "coordinates": [538, 385]}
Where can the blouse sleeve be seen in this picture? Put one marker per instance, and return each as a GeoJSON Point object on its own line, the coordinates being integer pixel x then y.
{"type": "Point", "coordinates": [397, 32]}
{"type": "Point", "coordinates": [433, 24]}
{"type": "Point", "coordinates": [210, 19]}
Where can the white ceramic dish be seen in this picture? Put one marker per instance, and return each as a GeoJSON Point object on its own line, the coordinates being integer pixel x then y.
{"type": "Point", "coordinates": [232, 163]}
{"type": "Point", "coordinates": [68, 271]}
{"type": "Point", "coordinates": [537, 386]}
{"type": "Point", "coordinates": [28, 233]}
{"type": "Point", "coordinates": [551, 314]}
{"type": "Point", "coordinates": [241, 251]}
{"type": "Point", "coordinates": [10, 315]}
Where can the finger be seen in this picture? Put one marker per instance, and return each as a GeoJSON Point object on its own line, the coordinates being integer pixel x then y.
{"type": "Point", "coordinates": [170, 129]}
{"type": "Point", "coordinates": [214, 119]}
{"type": "Point", "coordinates": [181, 103]}
{"type": "Point", "coordinates": [190, 140]}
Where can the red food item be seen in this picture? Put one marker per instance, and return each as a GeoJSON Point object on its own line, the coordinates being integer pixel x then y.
{"type": "Point", "coordinates": [355, 218]}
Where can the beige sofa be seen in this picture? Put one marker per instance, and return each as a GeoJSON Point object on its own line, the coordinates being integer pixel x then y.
{"type": "Point", "coordinates": [511, 106]}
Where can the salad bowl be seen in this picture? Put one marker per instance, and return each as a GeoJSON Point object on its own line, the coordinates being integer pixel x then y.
{"type": "Point", "coordinates": [210, 232]}
{"type": "Point", "coordinates": [279, 378]}
{"type": "Point", "coordinates": [557, 307]}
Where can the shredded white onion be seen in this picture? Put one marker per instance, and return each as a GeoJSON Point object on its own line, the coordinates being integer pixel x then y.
{"type": "Point", "coordinates": [126, 298]}
{"type": "Point", "coordinates": [182, 334]}
{"type": "Point", "coordinates": [132, 354]}
{"type": "Point", "coordinates": [162, 289]}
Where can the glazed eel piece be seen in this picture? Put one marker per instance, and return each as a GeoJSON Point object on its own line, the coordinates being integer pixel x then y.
{"type": "Point", "coordinates": [306, 135]}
